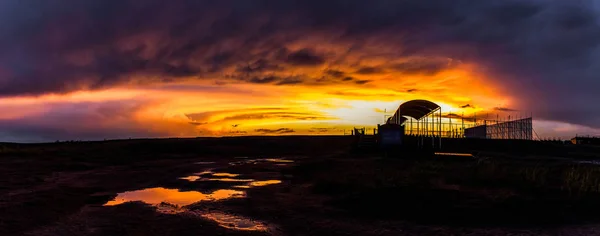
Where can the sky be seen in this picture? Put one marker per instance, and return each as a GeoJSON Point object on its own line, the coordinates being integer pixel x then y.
{"type": "Point", "coordinates": [112, 69]}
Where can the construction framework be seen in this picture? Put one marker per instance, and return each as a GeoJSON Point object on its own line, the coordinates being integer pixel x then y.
{"type": "Point", "coordinates": [516, 129]}
{"type": "Point", "coordinates": [424, 119]}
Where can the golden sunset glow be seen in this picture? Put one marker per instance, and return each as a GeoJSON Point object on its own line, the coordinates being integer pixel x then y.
{"type": "Point", "coordinates": [238, 68]}
{"type": "Point", "coordinates": [189, 109]}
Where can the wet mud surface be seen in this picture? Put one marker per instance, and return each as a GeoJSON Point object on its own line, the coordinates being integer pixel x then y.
{"type": "Point", "coordinates": [228, 188]}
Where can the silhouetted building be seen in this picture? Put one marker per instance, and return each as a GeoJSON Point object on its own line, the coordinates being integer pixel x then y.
{"type": "Point", "coordinates": [390, 134]}
{"type": "Point", "coordinates": [586, 140]}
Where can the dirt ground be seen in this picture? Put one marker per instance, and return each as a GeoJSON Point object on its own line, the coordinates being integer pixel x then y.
{"type": "Point", "coordinates": [61, 189]}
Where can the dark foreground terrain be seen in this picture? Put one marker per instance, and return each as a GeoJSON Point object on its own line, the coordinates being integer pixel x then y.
{"type": "Point", "coordinates": [291, 186]}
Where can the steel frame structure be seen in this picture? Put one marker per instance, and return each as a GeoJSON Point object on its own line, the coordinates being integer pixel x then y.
{"type": "Point", "coordinates": [423, 118]}
{"type": "Point", "coordinates": [515, 129]}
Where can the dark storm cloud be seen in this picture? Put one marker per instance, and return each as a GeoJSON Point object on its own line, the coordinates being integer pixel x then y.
{"type": "Point", "coordinates": [335, 73]}
{"type": "Point", "coordinates": [265, 80]}
{"type": "Point", "coordinates": [369, 70]}
{"type": "Point", "coordinates": [252, 114]}
{"type": "Point", "coordinates": [197, 123]}
{"type": "Point", "coordinates": [293, 80]}
{"type": "Point", "coordinates": [203, 116]}
{"type": "Point", "coordinates": [421, 67]}
{"type": "Point", "coordinates": [504, 109]}
{"type": "Point", "coordinates": [544, 51]}
{"type": "Point", "coordinates": [276, 115]}
{"type": "Point", "coordinates": [260, 65]}
{"type": "Point", "coordinates": [361, 81]}
{"type": "Point", "coordinates": [305, 57]}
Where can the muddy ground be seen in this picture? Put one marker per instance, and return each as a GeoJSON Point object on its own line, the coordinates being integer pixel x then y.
{"type": "Point", "coordinates": [324, 189]}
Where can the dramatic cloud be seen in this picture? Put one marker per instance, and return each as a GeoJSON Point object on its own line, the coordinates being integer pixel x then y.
{"type": "Point", "coordinates": [504, 109]}
{"type": "Point", "coordinates": [427, 67]}
{"type": "Point", "coordinates": [241, 115]}
{"type": "Point", "coordinates": [336, 73]}
{"type": "Point", "coordinates": [305, 57]}
{"type": "Point", "coordinates": [369, 70]}
{"type": "Point", "coordinates": [80, 121]}
{"type": "Point", "coordinates": [275, 131]}
{"type": "Point", "coordinates": [539, 56]}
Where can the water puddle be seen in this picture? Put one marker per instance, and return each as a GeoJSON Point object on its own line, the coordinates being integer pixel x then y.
{"type": "Point", "coordinates": [264, 183]}
{"type": "Point", "coordinates": [190, 178]}
{"type": "Point", "coordinates": [225, 175]}
{"type": "Point", "coordinates": [241, 186]}
{"type": "Point", "coordinates": [279, 160]}
{"type": "Point", "coordinates": [235, 222]}
{"type": "Point", "coordinates": [206, 172]}
{"type": "Point", "coordinates": [258, 184]}
{"type": "Point", "coordinates": [156, 196]}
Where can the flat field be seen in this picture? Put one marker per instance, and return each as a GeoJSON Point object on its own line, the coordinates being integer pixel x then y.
{"type": "Point", "coordinates": [293, 185]}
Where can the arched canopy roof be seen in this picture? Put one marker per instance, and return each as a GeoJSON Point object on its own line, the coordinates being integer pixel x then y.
{"type": "Point", "coordinates": [417, 109]}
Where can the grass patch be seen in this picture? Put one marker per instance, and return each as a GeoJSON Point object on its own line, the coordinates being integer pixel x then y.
{"type": "Point", "coordinates": [458, 192]}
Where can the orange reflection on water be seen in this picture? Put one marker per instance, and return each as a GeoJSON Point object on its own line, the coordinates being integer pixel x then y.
{"type": "Point", "coordinates": [225, 175]}
{"type": "Point", "coordinates": [155, 196]}
{"type": "Point", "coordinates": [454, 154]}
{"type": "Point", "coordinates": [241, 186]}
{"type": "Point", "coordinates": [190, 178]}
{"type": "Point", "coordinates": [264, 183]}
{"type": "Point", "coordinates": [235, 222]}
{"type": "Point", "coordinates": [279, 160]}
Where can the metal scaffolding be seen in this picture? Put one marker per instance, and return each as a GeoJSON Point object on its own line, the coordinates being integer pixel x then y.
{"type": "Point", "coordinates": [424, 119]}
{"type": "Point", "coordinates": [516, 129]}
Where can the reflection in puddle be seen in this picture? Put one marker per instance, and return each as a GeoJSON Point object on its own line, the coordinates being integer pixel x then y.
{"type": "Point", "coordinates": [241, 186]}
{"type": "Point", "coordinates": [206, 172]}
{"type": "Point", "coordinates": [230, 180]}
{"type": "Point", "coordinates": [235, 222]}
{"type": "Point", "coordinates": [258, 183]}
{"type": "Point", "coordinates": [155, 196]}
{"type": "Point", "coordinates": [225, 175]}
{"type": "Point", "coordinates": [190, 178]}
{"type": "Point", "coordinates": [264, 183]}
{"type": "Point", "coordinates": [279, 160]}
